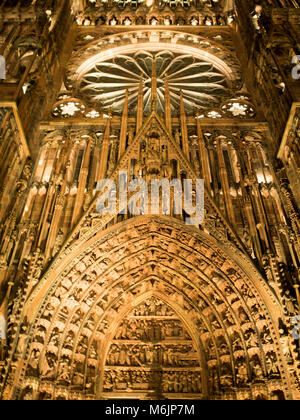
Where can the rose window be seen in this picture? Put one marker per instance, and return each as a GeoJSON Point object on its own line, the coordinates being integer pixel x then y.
{"type": "Point", "coordinates": [203, 85]}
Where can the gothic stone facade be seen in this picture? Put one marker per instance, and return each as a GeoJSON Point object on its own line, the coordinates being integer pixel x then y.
{"type": "Point", "coordinates": [106, 306]}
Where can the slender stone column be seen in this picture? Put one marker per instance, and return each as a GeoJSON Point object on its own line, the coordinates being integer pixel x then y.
{"type": "Point", "coordinates": [105, 150]}
{"type": "Point", "coordinates": [124, 124]}
{"type": "Point", "coordinates": [82, 182]}
{"type": "Point", "coordinates": [59, 197]}
{"type": "Point", "coordinates": [204, 159]}
{"type": "Point", "coordinates": [184, 132]}
{"type": "Point", "coordinates": [140, 106]}
{"type": "Point", "coordinates": [154, 88]}
{"type": "Point", "coordinates": [168, 115]}
{"type": "Point", "coordinates": [225, 183]}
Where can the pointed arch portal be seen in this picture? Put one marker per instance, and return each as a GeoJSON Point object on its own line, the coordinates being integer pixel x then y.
{"type": "Point", "coordinates": [97, 322]}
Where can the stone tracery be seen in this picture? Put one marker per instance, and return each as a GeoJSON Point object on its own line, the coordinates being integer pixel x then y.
{"type": "Point", "coordinates": [183, 72]}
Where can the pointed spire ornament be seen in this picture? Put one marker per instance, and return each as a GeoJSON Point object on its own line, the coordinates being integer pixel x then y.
{"type": "Point", "coordinates": [184, 132]}
{"type": "Point", "coordinates": [168, 117]}
{"type": "Point", "coordinates": [140, 105]}
{"type": "Point", "coordinates": [205, 171]}
{"type": "Point", "coordinates": [124, 124]}
{"type": "Point", "coordinates": [105, 150]}
{"type": "Point", "coordinates": [154, 87]}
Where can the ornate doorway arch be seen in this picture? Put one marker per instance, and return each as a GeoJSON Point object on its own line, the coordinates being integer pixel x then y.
{"type": "Point", "coordinates": [71, 318]}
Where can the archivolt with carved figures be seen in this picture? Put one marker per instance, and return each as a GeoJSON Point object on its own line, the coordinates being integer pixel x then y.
{"type": "Point", "coordinates": [153, 308]}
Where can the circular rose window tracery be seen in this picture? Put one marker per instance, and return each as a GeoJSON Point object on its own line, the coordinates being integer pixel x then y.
{"type": "Point", "coordinates": [203, 85]}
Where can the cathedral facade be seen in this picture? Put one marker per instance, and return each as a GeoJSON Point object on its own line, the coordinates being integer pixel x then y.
{"type": "Point", "coordinates": [146, 301]}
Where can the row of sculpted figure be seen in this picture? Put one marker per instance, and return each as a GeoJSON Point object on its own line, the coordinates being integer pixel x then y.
{"type": "Point", "coordinates": [166, 381]}
{"type": "Point", "coordinates": [149, 355]}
